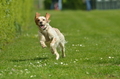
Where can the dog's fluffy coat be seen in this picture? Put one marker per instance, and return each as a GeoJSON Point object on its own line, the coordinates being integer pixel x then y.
{"type": "Point", "coordinates": [50, 34]}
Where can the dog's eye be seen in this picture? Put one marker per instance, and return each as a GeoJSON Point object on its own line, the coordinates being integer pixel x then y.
{"type": "Point", "coordinates": [38, 20]}
{"type": "Point", "coordinates": [43, 19]}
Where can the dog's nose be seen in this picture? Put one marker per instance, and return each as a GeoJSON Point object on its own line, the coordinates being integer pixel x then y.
{"type": "Point", "coordinates": [40, 22]}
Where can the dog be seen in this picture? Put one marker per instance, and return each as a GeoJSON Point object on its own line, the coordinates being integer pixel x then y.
{"type": "Point", "coordinates": [49, 34]}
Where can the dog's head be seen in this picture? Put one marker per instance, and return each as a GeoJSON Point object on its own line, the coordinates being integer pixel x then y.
{"type": "Point", "coordinates": [41, 21]}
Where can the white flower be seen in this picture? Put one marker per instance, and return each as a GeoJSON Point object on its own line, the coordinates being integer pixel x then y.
{"type": "Point", "coordinates": [77, 50]}
{"type": "Point", "coordinates": [87, 58]}
{"type": "Point", "coordinates": [87, 72]}
{"type": "Point", "coordinates": [26, 69]}
{"type": "Point", "coordinates": [38, 62]}
{"type": "Point", "coordinates": [55, 63]}
{"type": "Point", "coordinates": [112, 57]}
{"type": "Point", "coordinates": [76, 59]}
{"type": "Point", "coordinates": [73, 45]}
{"type": "Point", "coordinates": [66, 64]}
{"type": "Point", "coordinates": [32, 76]}
{"type": "Point", "coordinates": [45, 64]}
{"type": "Point", "coordinates": [61, 63]}
{"type": "Point", "coordinates": [109, 57]}
{"type": "Point", "coordinates": [50, 75]}
{"type": "Point", "coordinates": [81, 45]}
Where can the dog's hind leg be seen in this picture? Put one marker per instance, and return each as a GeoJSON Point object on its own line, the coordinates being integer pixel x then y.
{"type": "Point", "coordinates": [53, 46]}
{"type": "Point", "coordinates": [54, 51]}
{"type": "Point", "coordinates": [62, 45]}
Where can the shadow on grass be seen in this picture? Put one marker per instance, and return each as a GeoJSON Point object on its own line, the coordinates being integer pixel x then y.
{"type": "Point", "coordinates": [34, 59]}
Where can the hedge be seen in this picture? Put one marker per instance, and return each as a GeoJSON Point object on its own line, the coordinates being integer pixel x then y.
{"type": "Point", "coordinates": [74, 4]}
{"type": "Point", "coordinates": [14, 16]}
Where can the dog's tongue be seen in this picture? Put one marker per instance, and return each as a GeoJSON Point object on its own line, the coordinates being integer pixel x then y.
{"type": "Point", "coordinates": [42, 26]}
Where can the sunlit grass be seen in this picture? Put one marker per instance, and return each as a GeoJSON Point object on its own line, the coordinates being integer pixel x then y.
{"type": "Point", "coordinates": [92, 49]}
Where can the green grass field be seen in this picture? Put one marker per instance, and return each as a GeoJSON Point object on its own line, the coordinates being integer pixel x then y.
{"type": "Point", "coordinates": [92, 49]}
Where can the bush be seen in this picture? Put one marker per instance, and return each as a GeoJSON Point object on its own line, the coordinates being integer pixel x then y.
{"type": "Point", "coordinates": [47, 4]}
{"type": "Point", "coordinates": [74, 4]}
{"type": "Point", "coordinates": [14, 16]}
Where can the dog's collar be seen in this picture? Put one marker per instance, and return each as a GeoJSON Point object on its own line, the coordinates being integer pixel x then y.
{"type": "Point", "coordinates": [45, 28]}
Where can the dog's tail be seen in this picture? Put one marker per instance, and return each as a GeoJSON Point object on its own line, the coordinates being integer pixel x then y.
{"type": "Point", "coordinates": [66, 41]}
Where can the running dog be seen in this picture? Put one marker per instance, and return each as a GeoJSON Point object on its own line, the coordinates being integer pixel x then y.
{"type": "Point", "coordinates": [50, 35]}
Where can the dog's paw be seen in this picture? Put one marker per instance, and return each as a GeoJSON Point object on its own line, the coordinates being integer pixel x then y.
{"type": "Point", "coordinates": [44, 46]}
{"type": "Point", "coordinates": [57, 56]}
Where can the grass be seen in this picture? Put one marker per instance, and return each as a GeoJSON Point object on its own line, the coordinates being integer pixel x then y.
{"type": "Point", "coordinates": [93, 49]}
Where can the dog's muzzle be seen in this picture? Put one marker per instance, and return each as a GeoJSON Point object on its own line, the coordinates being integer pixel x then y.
{"type": "Point", "coordinates": [40, 23]}
{"type": "Point", "coordinates": [42, 27]}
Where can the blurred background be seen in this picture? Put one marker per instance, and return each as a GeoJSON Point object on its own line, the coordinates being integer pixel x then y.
{"type": "Point", "coordinates": [77, 4]}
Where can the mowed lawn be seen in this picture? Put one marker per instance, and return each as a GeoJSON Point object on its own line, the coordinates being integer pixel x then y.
{"type": "Point", "coordinates": [92, 48]}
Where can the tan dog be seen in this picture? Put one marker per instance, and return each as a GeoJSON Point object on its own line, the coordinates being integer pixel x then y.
{"type": "Point", "coordinates": [50, 34]}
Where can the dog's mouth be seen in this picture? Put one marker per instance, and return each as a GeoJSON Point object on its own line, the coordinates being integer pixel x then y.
{"type": "Point", "coordinates": [42, 27]}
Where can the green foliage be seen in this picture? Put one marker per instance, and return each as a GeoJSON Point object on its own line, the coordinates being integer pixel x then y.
{"type": "Point", "coordinates": [74, 4]}
{"type": "Point", "coordinates": [14, 16]}
{"type": "Point", "coordinates": [47, 4]}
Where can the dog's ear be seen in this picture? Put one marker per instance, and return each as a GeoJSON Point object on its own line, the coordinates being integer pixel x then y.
{"type": "Point", "coordinates": [47, 16]}
{"type": "Point", "coordinates": [36, 16]}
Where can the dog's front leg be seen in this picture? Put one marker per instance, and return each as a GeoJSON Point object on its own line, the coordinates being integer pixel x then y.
{"type": "Point", "coordinates": [43, 44]}
{"type": "Point", "coordinates": [42, 40]}
{"type": "Point", "coordinates": [54, 48]}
